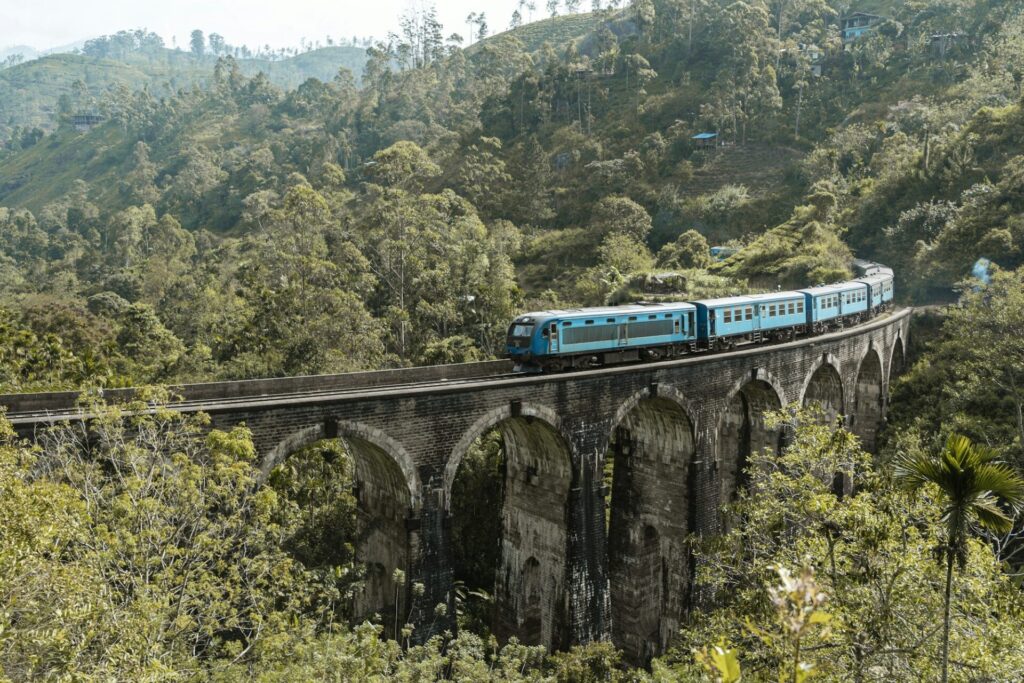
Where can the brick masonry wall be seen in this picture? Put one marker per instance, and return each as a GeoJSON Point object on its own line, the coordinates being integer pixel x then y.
{"type": "Point", "coordinates": [426, 430]}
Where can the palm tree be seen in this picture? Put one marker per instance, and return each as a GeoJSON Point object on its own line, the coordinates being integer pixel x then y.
{"type": "Point", "coordinates": [972, 483]}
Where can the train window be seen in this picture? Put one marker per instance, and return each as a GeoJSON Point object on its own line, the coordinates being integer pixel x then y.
{"type": "Point", "coordinates": [520, 330]}
{"type": "Point", "coordinates": [589, 322]}
{"type": "Point", "coordinates": [727, 316]}
{"type": "Point", "coordinates": [567, 324]}
{"type": "Point", "coordinates": [750, 312]}
{"type": "Point", "coordinates": [610, 320]}
{"type": "Point", "coordinates": [676, 325]}
{"type": "Point", "coordinates": [771, 310]}
{"type": "Point", "coordinates": [632, 317]}
{"type": "Point", "coordinates": [799, 306]}
{"type": "Point", "coordinates": [668, 315]}
{"type": "Point", "coordinates": [791, 308]}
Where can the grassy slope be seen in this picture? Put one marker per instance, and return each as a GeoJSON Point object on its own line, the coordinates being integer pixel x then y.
{"type": "Point", "coordinates": [46, 171]}
{"type": "Point", "coordinates": [29, 92]}
{"type": "Point", "coordinates": [559, 31]}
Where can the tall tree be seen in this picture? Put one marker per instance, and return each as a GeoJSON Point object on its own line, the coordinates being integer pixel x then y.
{"type": "Point", "coordinates": [197, 43]}
{"type": "Point", "coordinates": [973, 485]}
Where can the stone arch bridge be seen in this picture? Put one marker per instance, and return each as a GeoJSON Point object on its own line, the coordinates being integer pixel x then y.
{"type": "Point", "coordinates": [679, 433]}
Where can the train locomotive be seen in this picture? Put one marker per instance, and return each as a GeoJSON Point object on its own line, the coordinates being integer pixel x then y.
{"type": "Point", "coordinates": [579, 338]}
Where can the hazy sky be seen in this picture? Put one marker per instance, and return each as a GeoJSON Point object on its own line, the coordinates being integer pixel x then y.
{"type": "Point", "coordinates": [44, 24]}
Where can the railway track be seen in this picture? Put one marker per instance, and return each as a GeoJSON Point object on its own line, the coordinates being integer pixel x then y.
{"type": "Point", "coordinates": [64, 407]}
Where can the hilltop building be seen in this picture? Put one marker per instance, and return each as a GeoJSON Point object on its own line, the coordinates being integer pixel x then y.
{"type": "Point", "coordinates": [83, 123]}
{"type": "Point", "coordinates": [855, 25]}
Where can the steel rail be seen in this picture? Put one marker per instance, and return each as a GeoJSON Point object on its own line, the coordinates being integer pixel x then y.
{"type": "Point", "coordinates": [446, 386]}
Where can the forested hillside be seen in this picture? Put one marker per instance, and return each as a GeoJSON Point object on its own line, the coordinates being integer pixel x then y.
{"type": "Point", "coordinates": [556, 174]}
{"type": "Point", "coordinates": [348, 209]}
{"type": "Point", "coordinates": [37, 93]}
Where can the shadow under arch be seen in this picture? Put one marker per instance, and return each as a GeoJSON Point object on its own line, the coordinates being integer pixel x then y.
{"type": "Point", "coordinates": [529, 580]}
{"type": "Point", "coordinates": [652, 447]}
{"type": "Point", "coordinates": [868, 400]}
{"type": "Point", "coordinates": [742, 431]}
{"type": "Point", "coordinates": [897, 360]}
{"type": "Point", "coordinates": [362, 437]}
{"type": "Point", "coordinates": [387, 489]}
{"type": "Point", "coordinates": [823, 387]}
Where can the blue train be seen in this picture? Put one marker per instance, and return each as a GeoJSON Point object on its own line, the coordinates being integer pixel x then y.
{"type": "Point", "coordinates": [546, 341]}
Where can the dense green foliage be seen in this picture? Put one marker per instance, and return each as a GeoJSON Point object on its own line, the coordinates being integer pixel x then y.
{"type": "Point", "coordinates": [232, 218]}
{"type": "Point", "coordinates": [38, 94]}
{"type": "Point", "coordinates": [213, 218]}
{"type": "Point", "coordinates": [872, 553]}
{"type": "Point", "coordinates": [146, 551]}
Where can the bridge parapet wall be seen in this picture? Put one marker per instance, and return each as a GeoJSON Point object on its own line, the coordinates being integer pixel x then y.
{"type": "Point", "coordinates": [426, 429]}
{"type": "Point", "coordinates": [58, 401]}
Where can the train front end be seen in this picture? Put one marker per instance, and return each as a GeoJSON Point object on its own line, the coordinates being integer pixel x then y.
{"type": "Point", "coordinates": [526, 345]}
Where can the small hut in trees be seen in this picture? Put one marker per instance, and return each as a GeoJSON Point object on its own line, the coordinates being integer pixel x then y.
{"type": "Point", "coordinates": [705, 140]}
{"type": "Point", "coordinates": [83, 123]}
{"type": "Point", "coordinates": [855, 25]}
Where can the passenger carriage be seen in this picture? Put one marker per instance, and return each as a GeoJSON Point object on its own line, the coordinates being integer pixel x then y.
{"type": "Point", "coordinates": [722, 323]}
{"type": "Point", "coordinates": [833, 306]}
{"type": "Point", "coordinates": [588, 337]}
{"type": "Point", "coordinates": [880, 290]}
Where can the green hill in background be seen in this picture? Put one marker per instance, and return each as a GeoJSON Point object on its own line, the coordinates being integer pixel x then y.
{"type": "Point", "coordinates": [30, 92]}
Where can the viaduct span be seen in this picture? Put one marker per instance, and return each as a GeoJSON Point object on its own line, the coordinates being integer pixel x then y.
{"type": "Point", "coordinates": [679, 432]}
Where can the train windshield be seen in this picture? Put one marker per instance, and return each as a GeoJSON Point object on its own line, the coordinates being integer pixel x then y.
{"type": "Point", "coordinates": [520, 330]}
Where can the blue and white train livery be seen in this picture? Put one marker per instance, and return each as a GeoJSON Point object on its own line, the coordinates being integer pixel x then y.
{"type": "Point", "coordinates": [592, 337]}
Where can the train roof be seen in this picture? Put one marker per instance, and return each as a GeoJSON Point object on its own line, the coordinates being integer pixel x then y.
{"type": "Point", "coordinates": [831, 289]}
{"type": "Point", "coordinates": [875, 278]}
{"type": "Point", "coordinates": [609, 310]}
{"type": "Point", "coordinates": [747, 298]}
{"type": "Point", "coordinates": [866, 268]}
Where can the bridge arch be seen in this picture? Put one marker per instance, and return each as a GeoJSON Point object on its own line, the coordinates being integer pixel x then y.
{"type": "Point", "coordinates": [387, 488]}
{"type": "Point", "coordinates": [653, 448]}
{"type": "Point", "coordinates": [868, 399]}
{"type": "Point", "coordinates": [529, 579]}
{"type": "Point", "coordinates": [742, 430]}
{"type": "Point", "coordinates": [361, 437]}
{"type": "Point", "coordinates": [823, 386]}
{"type": "Point", "coordinates": [486, 423]}
{"type": "Point", "coordinates": [897, 359]}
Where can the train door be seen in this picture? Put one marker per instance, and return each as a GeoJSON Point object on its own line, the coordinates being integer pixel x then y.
{"type": "Point", "coordinates": [553, 338]}
{"type": "Point", "coordinates": [623, 334]}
